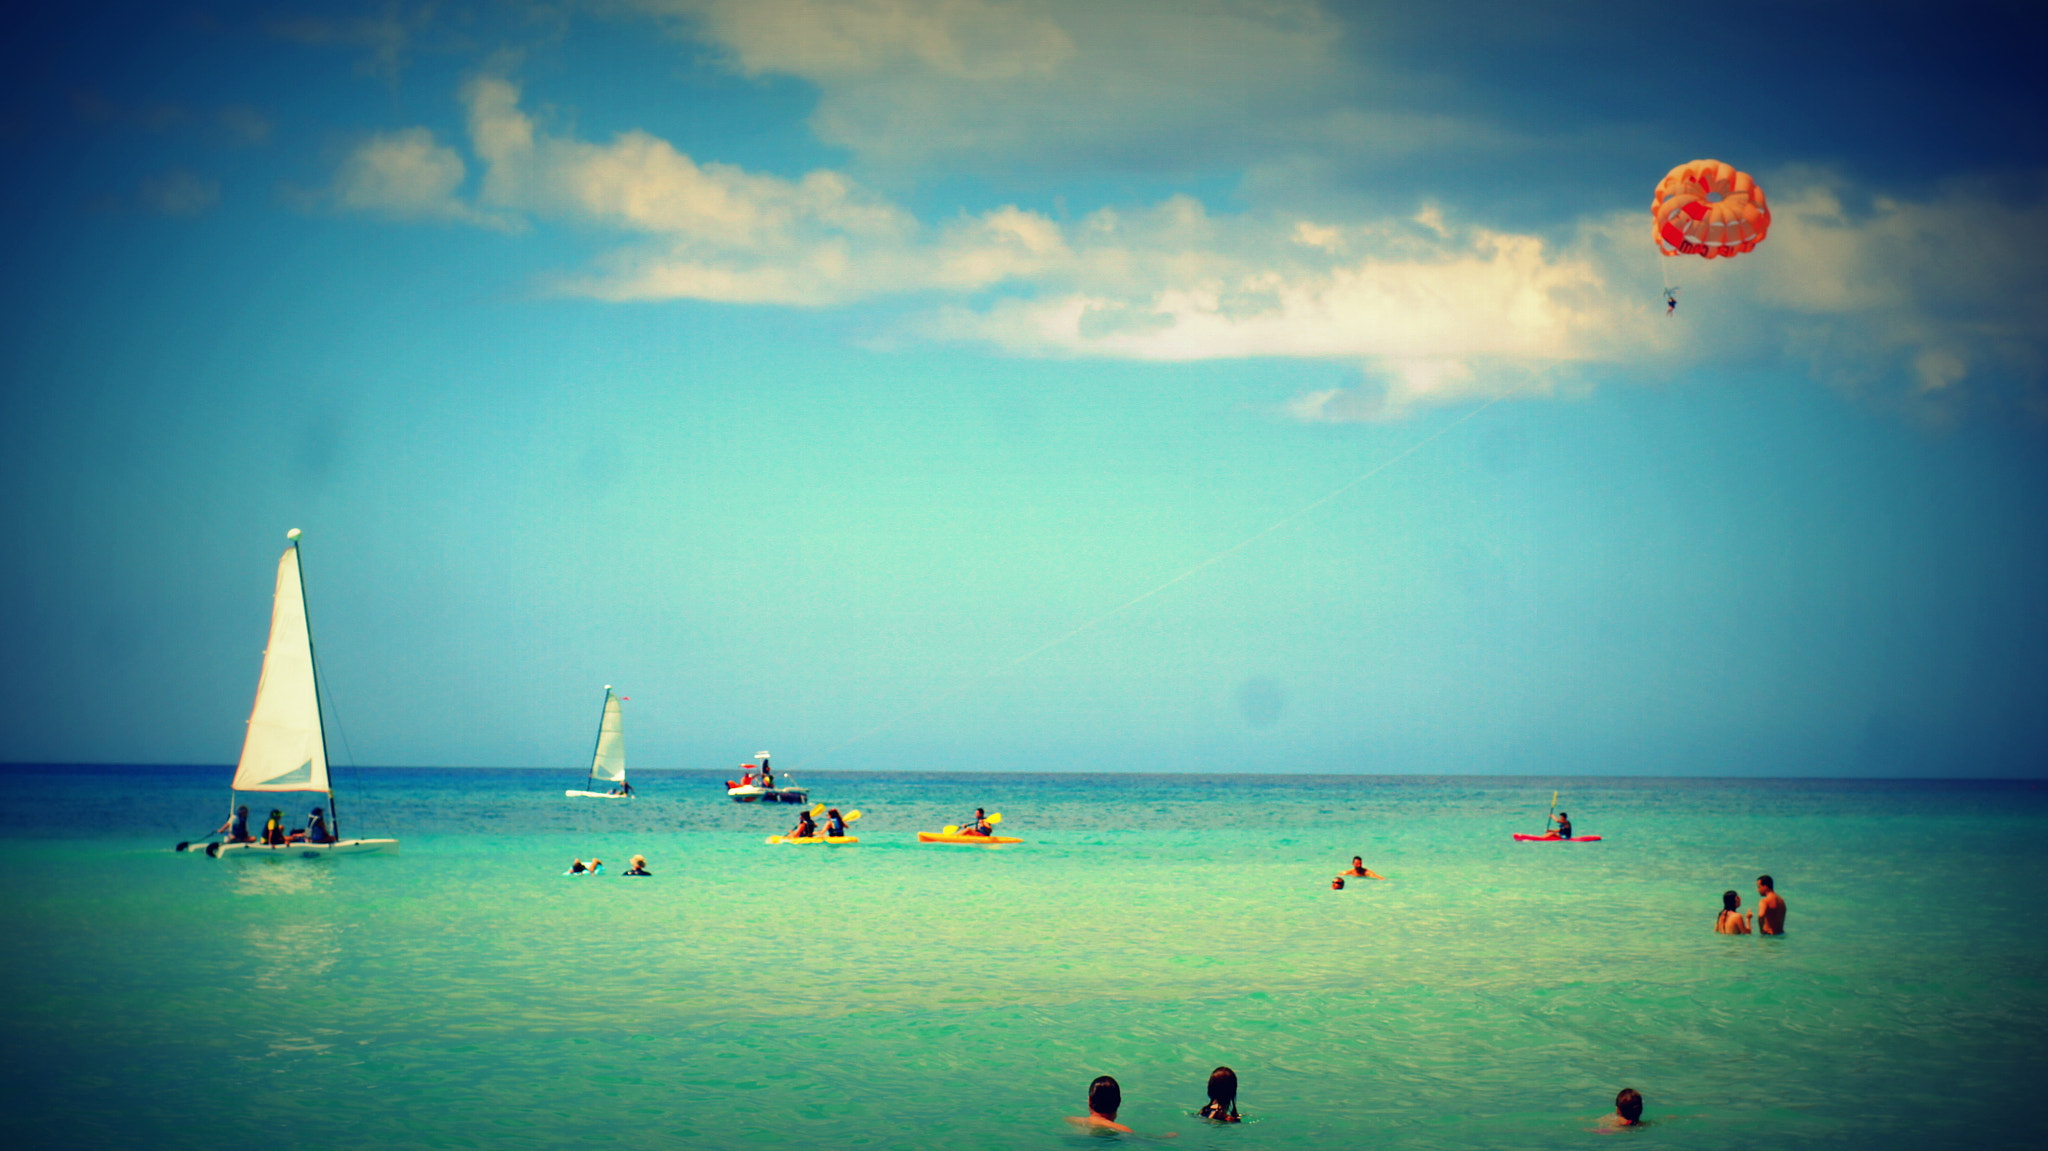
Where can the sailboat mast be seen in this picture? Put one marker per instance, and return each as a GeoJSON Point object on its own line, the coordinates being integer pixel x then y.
{"type": "Point", "coordinates": [590, 780]}
{"type": "Point", "coordinates": [319, 715]}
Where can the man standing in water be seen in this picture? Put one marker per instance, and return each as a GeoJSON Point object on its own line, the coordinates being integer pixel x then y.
{"type": "Point", "coordinates": [1770, 911]}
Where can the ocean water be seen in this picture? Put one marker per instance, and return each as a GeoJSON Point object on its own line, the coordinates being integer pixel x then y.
{"type": "Point", "coordinates": [1490, 994]}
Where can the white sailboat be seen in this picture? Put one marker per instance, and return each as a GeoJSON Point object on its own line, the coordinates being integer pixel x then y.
{"type": "Point", "coordinates": [608, 761]}
{"type": "Point", "coordinates": [286, 748]}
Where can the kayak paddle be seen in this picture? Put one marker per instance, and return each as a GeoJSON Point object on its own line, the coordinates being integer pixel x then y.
{"type": "Point", "coordinates": [1553, 811]}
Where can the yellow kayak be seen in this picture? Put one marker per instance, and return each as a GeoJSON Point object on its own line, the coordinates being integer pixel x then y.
{"type": "Point", "coordinates": [834, 840]}
{"type": "Point", "coordinates": [977, 840]}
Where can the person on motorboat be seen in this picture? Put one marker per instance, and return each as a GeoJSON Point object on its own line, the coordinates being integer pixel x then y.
{"type": "Point", "coordinates": [767, 778]}
{"type": "Point", "coordinates": [237, 827]}
{"type": "Point", "coordinates": [805, 827]}
{"type": "Point", "coordinates": [274, 834]}
{"type": "Point", "coordinates": [978, 826]}
{"type": "Point", "coordinates": [747, 778]}
{"type": "Point", "coordinates": [835, 823]}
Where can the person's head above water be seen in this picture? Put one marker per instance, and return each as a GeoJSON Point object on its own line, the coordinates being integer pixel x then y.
{"type": "Point", "coordinates": [1223, 1086]}
{"type": "Point", "coordinates": [1104, 1096]}
{"type": "Point", "coordinates": [1730, 901]}
{"type": "Point", "coordinates": [1357, 861]}
{"type": "Point", "coordinates": [1628, 1104]}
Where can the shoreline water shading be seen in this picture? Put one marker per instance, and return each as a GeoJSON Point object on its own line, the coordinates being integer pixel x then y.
{"type": "Point", "coordinates": [1487, 994]}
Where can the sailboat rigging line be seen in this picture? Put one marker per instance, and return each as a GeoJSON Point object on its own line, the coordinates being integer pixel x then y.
{"type": "Point", "coordinates": [320, 710]}
{"type": "Point", "coordinates": [597, 743]}
{"type": "Point", "coordinates": [1185, 573]}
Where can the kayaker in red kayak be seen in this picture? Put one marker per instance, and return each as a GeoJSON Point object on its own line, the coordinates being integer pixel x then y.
{"type": "Point", "coordinates": [1564, 825]}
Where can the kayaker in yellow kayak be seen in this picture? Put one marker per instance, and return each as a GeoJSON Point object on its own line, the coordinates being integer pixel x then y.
{"type": "Point", "coordinates": [804, 828]}
{"type": "Point", "coordinates": [979, 826]}
{"type": "Point", "coordinates": [835, 824]}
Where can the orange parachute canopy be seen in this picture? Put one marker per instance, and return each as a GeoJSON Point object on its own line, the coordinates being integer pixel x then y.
{"type": "Point", "coordinates": [1707, 208]}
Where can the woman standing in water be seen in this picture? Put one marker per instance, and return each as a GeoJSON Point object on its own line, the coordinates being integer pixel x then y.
{"type": "Point", "coordinates": [1732, 920]}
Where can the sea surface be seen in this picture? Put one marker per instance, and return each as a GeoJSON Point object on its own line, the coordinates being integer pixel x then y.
{"type": "Point", "coordinates": [464, 993]}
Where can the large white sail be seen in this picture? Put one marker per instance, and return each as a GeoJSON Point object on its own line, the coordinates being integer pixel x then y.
{"type": "Point", "coordinates": [609, 764]}
{"type": "Point", "coordinates": [283, 750]}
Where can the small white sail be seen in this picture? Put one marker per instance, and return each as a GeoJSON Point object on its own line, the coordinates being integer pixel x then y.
{"type": "Point", "coordinates": [283, 750]}
{"type": "Point", "coordinates": [609, 764]}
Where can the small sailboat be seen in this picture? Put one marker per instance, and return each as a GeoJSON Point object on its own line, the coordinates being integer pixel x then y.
{"type": "Point", "coordinates": [285, 749]}
{"type": "Point", "coordinates": [608, 762]}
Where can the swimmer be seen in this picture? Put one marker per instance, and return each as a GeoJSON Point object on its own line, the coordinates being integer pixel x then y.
{"type": "Point", "coordinates": [1732, 920]}
{"type": "Point", "coordinates": [1222, 1104]}
{"type": "Point", "coordinates": [1358, 868]}
{"type": "Point", "coordinates": [1104, 1098]}
{"type": "Point", "coordinates": [577, 868]}
{"type": "Point", "coordinates": [596, 865]}
{"type": "Point", "coordinates": [1628, 1110]}
{"type": "Point", "coordinates": [1770, 910]}
{"type": "Point", "coordinates": [804, 829]}
{"type": "Point", "coordinates": [1336, 883]}
{"type": "Point", "coordinates": [639, 867]}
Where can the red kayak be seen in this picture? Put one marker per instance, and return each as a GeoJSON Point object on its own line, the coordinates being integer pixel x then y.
{"type": "Point", "coordinates": [1554, 837]}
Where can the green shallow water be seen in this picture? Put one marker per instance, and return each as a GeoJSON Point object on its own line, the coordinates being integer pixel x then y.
{"type": "Point", "coordinates": [1490, 994]}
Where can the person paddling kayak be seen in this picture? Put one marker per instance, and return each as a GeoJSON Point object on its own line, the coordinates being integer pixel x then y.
{"type": "Point", "coordinates": [1564, 825]}
{"type": "Point", "coordinates": [979, 825]}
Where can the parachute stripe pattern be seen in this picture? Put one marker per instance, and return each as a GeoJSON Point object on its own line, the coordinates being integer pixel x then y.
{"type": "Point", "coordinates": [1708, 209]}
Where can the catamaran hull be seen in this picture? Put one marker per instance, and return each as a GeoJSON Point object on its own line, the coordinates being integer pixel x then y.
{"type": "Point", "coordinates": [304, 850]}
{"type": "Point", "coordinates": [594, 795]}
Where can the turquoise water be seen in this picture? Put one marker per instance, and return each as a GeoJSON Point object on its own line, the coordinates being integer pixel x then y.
{"type": "Point", "coordinates": [1490, 994]}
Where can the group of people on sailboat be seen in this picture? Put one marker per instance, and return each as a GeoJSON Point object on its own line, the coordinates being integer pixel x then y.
{"type": "Point", "coordinates": [236, 829]}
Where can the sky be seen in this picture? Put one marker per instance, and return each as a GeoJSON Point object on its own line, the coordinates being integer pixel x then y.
{"type": "Point", "coordinates": [986, 385]}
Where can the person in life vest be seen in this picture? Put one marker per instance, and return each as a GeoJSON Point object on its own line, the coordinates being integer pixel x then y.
{"type": "Point", "coordinates": [236, 829]}
{"type": "Point", "coordinates": [978, 826]}
{"type": "Point", "coordinates": [315, 830]}
{"type": "Point", "coordinates": [274, 834]}
{"type": "Point", "coordinates": [835, 824]}
{"type": "Point", "coordinates": [805, 827]}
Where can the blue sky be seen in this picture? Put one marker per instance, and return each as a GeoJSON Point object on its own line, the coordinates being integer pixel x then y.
{"type": "Point", "coordinates": [958, 384]}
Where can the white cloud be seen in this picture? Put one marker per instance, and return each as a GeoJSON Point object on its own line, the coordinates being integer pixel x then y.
{"type": "Point", "coordinates": [1139, 85]}
{"type": "Point", "coordinates": [1926, 300]}
{"type": "Point", "coordinates": [179, 192]}
{"type": "Point", "coordinates": [407, 175]}
{"type": "Point", "coordinates": [976, 40]}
